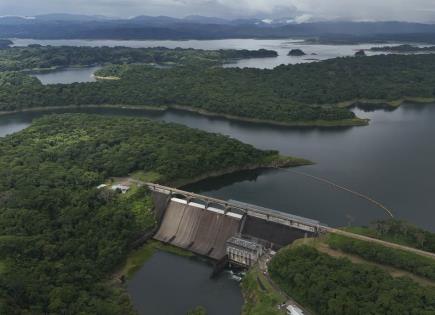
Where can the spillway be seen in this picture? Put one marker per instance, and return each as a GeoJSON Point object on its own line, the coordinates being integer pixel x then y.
{"type": "Point", "coordinates": [201, 230]}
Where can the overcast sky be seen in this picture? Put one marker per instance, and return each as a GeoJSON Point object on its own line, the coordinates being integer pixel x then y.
{"type": "Point", "coordinates": [403, 10]}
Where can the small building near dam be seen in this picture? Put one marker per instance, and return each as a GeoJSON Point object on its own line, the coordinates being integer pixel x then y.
{"type": "Point", "coordinates": [243, 252]}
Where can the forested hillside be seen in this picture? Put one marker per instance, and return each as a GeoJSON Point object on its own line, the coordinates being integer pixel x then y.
{"type": "Point", "coordinates": [331, 286]}
{"type": "Point", "coordinates": [398, 231]}
{"type": "Point", "coordinates": [293, 94]}
{"type": "Point", "coordinates": [60, 237]}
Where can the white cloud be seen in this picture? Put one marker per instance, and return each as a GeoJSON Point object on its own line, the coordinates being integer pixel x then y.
{"type": "Point", "coordinates": [300, 10]}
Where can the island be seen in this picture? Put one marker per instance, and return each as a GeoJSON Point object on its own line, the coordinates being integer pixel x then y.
{"type": "Point", "coordinates": [319, 94]}
{"type": "Point", "coordinates": [406, 48]}
{"type": "Point", "coordinates": [62, 235]}
{"type": "Point", "coordinates": [360, 53]}
{"type": "Point", "coordinates": [44, 58]}
{"type": "Point", "coordinates": [296, 53]}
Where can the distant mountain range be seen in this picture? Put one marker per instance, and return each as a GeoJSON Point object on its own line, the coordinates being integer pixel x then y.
{"type": "Point", "coordinates": [66, 26]}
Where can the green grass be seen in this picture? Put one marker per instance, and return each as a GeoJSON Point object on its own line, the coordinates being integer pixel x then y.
{"type": "Point", "coordinates": [260, 299]}
{"type": "Point", "coordinates": [137, 258]}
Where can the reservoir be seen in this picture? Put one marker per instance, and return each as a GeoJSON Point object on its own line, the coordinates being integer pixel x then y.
{"type": "Point", "coordinates": [391, 160]}
{"type": "Point", "coordinates": [314, 52]}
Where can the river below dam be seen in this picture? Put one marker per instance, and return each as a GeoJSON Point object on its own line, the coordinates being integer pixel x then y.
{"type": "Point", "coordinates": [170, 285]}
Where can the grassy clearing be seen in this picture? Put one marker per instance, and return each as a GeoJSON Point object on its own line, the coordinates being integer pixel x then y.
{"type": "Point", "coordinates": [260, 297]}
{"type": "Point", "coordinates": [138, 257]}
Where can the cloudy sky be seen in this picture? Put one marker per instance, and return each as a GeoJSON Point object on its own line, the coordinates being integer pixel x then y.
{"type": "Point", "coordinates": [403, 10]}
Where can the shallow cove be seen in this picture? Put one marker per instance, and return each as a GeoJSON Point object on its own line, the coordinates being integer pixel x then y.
{"type": "Point", "coordinates": [67, 75]}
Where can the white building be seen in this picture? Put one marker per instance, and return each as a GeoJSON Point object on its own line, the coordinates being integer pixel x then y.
{"type": "Point", "coordinates": [294, 310]}
{"type": "Point", "coordinates": [122, 188]}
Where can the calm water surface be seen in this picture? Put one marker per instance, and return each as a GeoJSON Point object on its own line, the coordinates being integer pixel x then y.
{"type": "Point", "coordinates": [392, 160]}
{"type": "Point", "coordinates": [172, 285]}
{"type": "Point", "coordinates": [68, 75]}
{"type": "Point", "coordinates": [282, 46]}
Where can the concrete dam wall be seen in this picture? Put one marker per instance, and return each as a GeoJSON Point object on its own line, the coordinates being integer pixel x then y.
{"type": "Point", "coordinates": [275, 234]}
{"type": "Point", "coordinates": [200, 230]}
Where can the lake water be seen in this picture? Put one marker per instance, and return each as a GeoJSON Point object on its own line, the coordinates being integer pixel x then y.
{"type": "Point", "coordinates": [282, 46]}
{"type": "Point", "coordinates": [392, 160]}
{"type": "Point", "coordinates": [171, 285]}
{"type": "Point", "coordinates": [68, 75]}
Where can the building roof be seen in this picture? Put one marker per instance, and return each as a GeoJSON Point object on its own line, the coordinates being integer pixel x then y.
{"type": "Point", "coordinates": [294, 310]}
{"type": "Point", "coordinates": [276, 213]}
{"type": "Point", "coordinates": [121, 187]}
{"type": "Point", "coordinates": [244, 243]}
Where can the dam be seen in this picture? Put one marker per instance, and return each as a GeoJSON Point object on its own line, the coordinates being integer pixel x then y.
{"type": "Point", "coordinates": [219, 229]}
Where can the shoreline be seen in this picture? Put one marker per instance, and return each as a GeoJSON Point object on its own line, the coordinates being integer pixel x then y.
{"type": "Point", "coordinates": [392, 104]}
{"type": "Point", "coordinates": [275, 163]}
{"type": "Point", "coordinates": [316, 123]}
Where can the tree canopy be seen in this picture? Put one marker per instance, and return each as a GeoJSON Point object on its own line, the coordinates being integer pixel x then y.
{"type": "Point", "coordinates": [338, 287]}
{"type": "Point", "coordinates": [60, 236]}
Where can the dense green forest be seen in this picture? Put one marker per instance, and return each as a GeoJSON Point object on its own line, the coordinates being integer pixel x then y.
{"type": "Point", "coordinates": [46, 57]}
{"type": "Point", "coordinates": [406, 48]}
{"type": "Point", "coordinates": [60, 237]}
{"type": "Point", "coordinates": [331, 286]}
{"type": "Point", "coordinates": [414, 263]}
{"type": "Point", "coordinates": [401, 232]}
{"type": "Point", "coordinates": [285, 94]}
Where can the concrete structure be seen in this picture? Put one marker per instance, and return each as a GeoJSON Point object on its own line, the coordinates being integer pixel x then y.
{"type": "Point", "coordinates": [120, 187]}
{"type": "Point", "coordinates": [242, 251]}
{"type": "Point", "coordinates": [294, 310]}
{"type": "Point", "coordinates": [203, 230]}
{"type": "Point", "coordinates": [218, 229]}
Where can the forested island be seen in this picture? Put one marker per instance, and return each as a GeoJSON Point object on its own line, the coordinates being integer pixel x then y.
{"type": "Point", "coordinates": [37, 57]}
{"type": "Point", "coordinates": [296, 52]}
{"type": "Point", "coordinates": [406, 48]}
{"type": "Point", "coordinates": [311, 94]}
{"type": "Point", "coordinates": [61, 237]}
